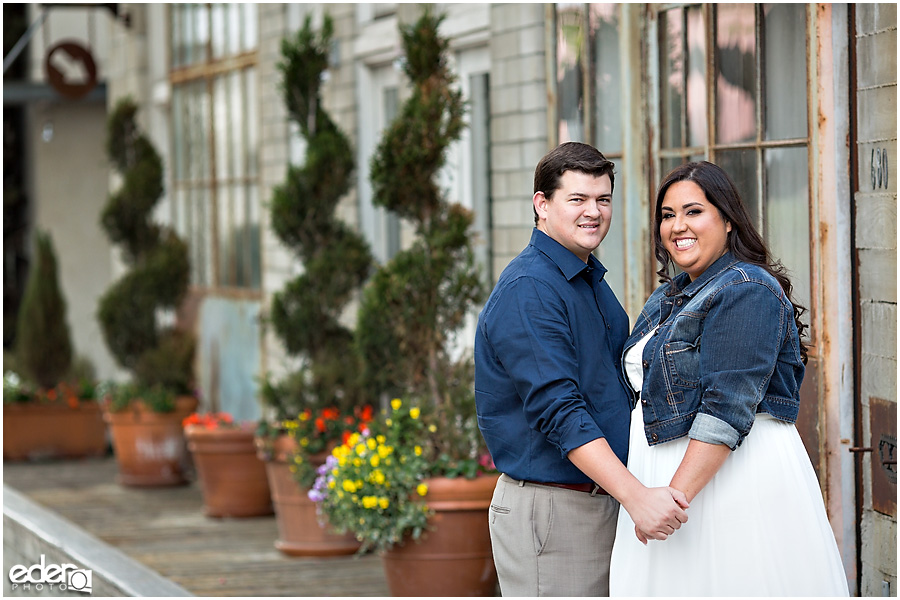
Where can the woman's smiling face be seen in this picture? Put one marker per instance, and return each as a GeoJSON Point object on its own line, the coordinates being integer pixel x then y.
{"type": "Point", "coordinates": [692, 229]}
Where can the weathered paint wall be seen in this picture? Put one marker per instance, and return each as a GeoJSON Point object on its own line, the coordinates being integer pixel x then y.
{"type": "Point", "coordinates": [876, 244]}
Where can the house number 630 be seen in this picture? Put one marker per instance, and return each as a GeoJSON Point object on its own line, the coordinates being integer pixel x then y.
{"type": "Point", "coordinates": [879, 168]}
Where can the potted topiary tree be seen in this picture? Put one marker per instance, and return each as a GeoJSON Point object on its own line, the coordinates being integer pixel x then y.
{"type": "Point", "coordinates": [145, 415]}
{"type": "Point", "coordinates": [48, 412]}
{"type": "Point", "coordinates": [408, 315]}
{"type": "Point", "coordinates": [306, 314]}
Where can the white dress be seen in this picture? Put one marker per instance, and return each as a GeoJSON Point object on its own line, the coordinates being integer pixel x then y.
{"type": "Point", "coordinates": [758, 528]}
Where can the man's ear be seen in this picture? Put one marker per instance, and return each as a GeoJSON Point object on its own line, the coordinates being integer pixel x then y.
{"type": "Point", "coordinates": [540, 205]}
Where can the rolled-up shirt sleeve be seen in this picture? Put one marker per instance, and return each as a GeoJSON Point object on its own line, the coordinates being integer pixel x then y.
{"type": "Point", "coordinates": [531, 333]}
{"type": "Point", "coordinates": [738, 354]}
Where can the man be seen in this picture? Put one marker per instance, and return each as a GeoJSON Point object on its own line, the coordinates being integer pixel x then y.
{"type": "Point", "coordinates": [551, 402]}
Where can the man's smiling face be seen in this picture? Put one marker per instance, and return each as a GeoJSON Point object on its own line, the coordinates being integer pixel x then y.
{"type": "Point", "coordinates": [578, 214]}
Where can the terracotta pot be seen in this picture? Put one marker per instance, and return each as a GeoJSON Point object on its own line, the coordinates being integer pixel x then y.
{"type": "Point", "coordinates": [452, 558]}
{"type": "Point", "coordinates": [232, 478]}
{"type": "Point", "coordinates": [38, 431]}
{"type": "Point", "coordinates": [149, 446]}
{"type": "Point", "coordinates": [299, 530]}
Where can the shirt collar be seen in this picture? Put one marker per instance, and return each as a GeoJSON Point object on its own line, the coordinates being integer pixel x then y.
{"type": "Point", "coordinates": [570, 265]}
{"type": "Point", "coordinates": [689, 288]}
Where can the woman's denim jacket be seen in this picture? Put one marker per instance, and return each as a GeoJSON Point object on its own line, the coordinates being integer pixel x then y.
{"type": "Point", "coordinates": [727, 348]}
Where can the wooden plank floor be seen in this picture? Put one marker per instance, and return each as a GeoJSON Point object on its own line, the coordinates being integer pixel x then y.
{"type": "Point", "coordinates": [165, 529]}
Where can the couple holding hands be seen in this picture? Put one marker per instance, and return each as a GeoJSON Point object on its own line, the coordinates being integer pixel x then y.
{"type": "Point", "coordinates": [687, 423]}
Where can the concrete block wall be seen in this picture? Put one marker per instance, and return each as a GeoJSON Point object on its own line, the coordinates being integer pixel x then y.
{"type": "Point", "coordinates": [876, 243]}
{"type": "Point", "coordinates": [519, 136]}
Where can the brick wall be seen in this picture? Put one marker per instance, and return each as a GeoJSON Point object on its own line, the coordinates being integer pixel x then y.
{"type": "Point", "coordinates": [876, 244]}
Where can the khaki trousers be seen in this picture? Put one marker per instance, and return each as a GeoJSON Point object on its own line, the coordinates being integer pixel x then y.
{"type": "Point", "coordinates": [550, 541]}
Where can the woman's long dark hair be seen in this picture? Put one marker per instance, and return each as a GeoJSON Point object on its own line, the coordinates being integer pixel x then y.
{"type": "Point", "coordinates": [743, 241]}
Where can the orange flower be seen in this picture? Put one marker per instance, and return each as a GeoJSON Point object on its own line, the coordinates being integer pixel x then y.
{"type": "Point", "coordinates": [51, 394]}
{"type": "Point", "coordinates": [320, 424]}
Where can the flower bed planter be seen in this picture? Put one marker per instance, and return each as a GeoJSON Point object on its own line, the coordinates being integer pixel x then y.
{"type": "Point", "coordinates": [299, 530]}
{"type": "Point", "coordinates": [38, 431]}
{"type": "Point", "coordinates": [149, 446]}
{"type": "Point", "coordinates": [454, 557]}
{"type": "Point", "coordinates": [232, 478]}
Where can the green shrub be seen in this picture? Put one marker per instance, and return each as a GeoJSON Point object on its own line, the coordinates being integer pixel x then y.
{"type": "Point", "coordinates": [158, 261]}
{"type": "Point", "coordinates": [43, 343]}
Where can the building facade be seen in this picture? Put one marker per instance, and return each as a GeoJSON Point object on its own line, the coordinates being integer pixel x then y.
{"type": "Point", "coordinates": [796, 101]}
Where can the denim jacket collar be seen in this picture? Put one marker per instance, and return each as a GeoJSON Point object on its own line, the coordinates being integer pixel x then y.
{"type": "Point", "coordinates": [569, 264]}
{"type": "Point", "coordinates": [684, 286]}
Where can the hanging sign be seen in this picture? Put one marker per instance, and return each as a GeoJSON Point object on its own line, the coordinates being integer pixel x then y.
{"type": "Point", "coordinates": [71, 70]}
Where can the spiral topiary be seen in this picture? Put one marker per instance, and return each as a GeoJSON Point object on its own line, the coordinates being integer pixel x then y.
{"type": "Point", "coordinates": [337, 260]}
{"type": "Point", "coordinates": [158, 261]}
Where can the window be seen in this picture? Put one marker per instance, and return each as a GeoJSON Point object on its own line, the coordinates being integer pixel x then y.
{"type": "Point", "coordinates": [590, 107]}
{"type": "Point", "coordinates": [215, 141]}
{"type": "Point", "coordinates": [743, 104]}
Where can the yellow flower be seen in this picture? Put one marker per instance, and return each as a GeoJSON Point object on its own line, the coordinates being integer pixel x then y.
{"type": "Point", "coordinates": [331, 484]}
{"type": "Point", "coordinates": [292, 468]}
{"type": "Point", "coordinates": [385, 451]}
{"type": "Point", "coordinates": [352, 440]}
{"type": "Point", "coordinates": [389, 422]}
{"type": "Point", "coordinates": [383, 503]}
{"type": "Point", "coordinates": [396, 403]}
{"type": "Point", "coordinates": [304, 442]}
{"type": "Point", "coordinates": [377, 477]}
{"type": "Point", "coordinates": [432, 428]}
{"type": "Point", "coordinates": [374, 460]}
{"type": "Point", "coordinates": [362, 521]}
{"type": "Point", "coordinates": [381, 439]}
{"type": "Point", "coordinates": [369, 501]}
{"type": "Point", "coordinates": [349, 486]}
{"type": "Point", "coordinates": [414, 412]}
{"type": "Point", "coordinates": [422, 489]}
{"type": "Point", "coordinates": [303, 416]}
{"type": "Point", "coordinates": [298, 459]}
{"type": "Point", "coordinates": [357, 462]}
{"type": "Point", "coordinates": [290, 425]}
{"type": "Point", "coordinates": [360, 449]}
{"type": "Point", "coordinates": [418, 450]}
{"type": "Point", "coordinates": [371, 443]}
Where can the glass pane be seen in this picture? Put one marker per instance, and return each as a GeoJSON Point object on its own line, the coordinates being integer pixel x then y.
{"type": "Point", "coordinates": [218, 30]}
{"type": "Point", "coordinates": [612, 250]}
{"type": "Point", "coordinates": [249, 26]}
{"type": "Point", "coordinates": [735, 73]}
{"type": "Point", "coordinates": [238, 126]}
{"type": "Point", "coordinates": [200, 34]}
{"type": "Point", "coordinates": [225, 243]}
{"type": "Point", "coordinates": [665, 167]}
{"type": "Point", "coordinates": [233, 28]}
{"type": "Point", "coordinates": [178, 134]}
{"type": "Point", "coordinates": [253, 241]}
{"type": "Point", "coordinates": [222, 125]}
{"type": "Point", "coordinates": [607, 77]}
{"type": "Point", "coordinates": [785, 61]}
{"type": "Point", "coordinates": [787, 215]}
{"type": "Point", "coordinates": [237, 239]}
{"type": "Point", "coordinates": [250, 123]}
{"type": "Point", "coordinates": [696, 78]}
{"type": "Point", "coordinates": [569, 81]}
{"type": "Point", "coordinates": [671, 78]}
{"type": "Point", "coordinates": [741, 167]}
{"type": "Point", "coordinates": [175, 24]}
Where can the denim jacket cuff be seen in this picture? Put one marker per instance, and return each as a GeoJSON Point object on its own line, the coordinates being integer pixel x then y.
{"type": "Point", "coordinates": [712, 430]}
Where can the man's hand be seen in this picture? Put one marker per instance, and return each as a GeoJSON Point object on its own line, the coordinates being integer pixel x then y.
{"type": "Point", "coordinates": [657, 513]}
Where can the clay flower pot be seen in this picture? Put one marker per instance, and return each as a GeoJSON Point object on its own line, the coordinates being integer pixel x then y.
{"type": "Point", "coordinates": [299, 530]}
{"type": "Point", "coordinates": [149, 446]}
{"type": "Point", "coordinates": [232, 478]}
{"type": "Point", "coordinates": [39, 431]}
{"type": "Point", "coordinates": [454, 557]}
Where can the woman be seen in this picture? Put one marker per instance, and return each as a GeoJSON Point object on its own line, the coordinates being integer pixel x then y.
{"type": "Point", "coordinates": [716, 351]}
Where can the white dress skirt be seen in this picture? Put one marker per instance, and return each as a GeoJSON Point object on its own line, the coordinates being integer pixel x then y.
{"type": "Point", "coordinates": [758, 528]}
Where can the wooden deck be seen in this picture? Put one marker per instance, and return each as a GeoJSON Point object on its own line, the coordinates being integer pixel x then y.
{"type": "Point", "coordinates": [165, 529]}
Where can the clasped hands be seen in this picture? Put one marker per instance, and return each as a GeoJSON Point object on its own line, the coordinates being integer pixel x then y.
{"type": "Point", "coordinates": [658, 513]}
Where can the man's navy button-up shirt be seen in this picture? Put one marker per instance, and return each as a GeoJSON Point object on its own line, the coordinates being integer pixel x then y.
{"type": "Point", "coordinates": [547, 364]}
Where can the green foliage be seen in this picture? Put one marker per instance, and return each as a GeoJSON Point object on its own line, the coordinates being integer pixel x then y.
{"type": "Point", "coordinates": [160, 268]}
{"type": "Point", "coordinates": [415, 303]}
{"type": "Point", "coordinates": [305, 315]}
{"type": "Point", "coordinates": [43, 344]}
{"type": "Point", "coordinates": [155, 397]}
